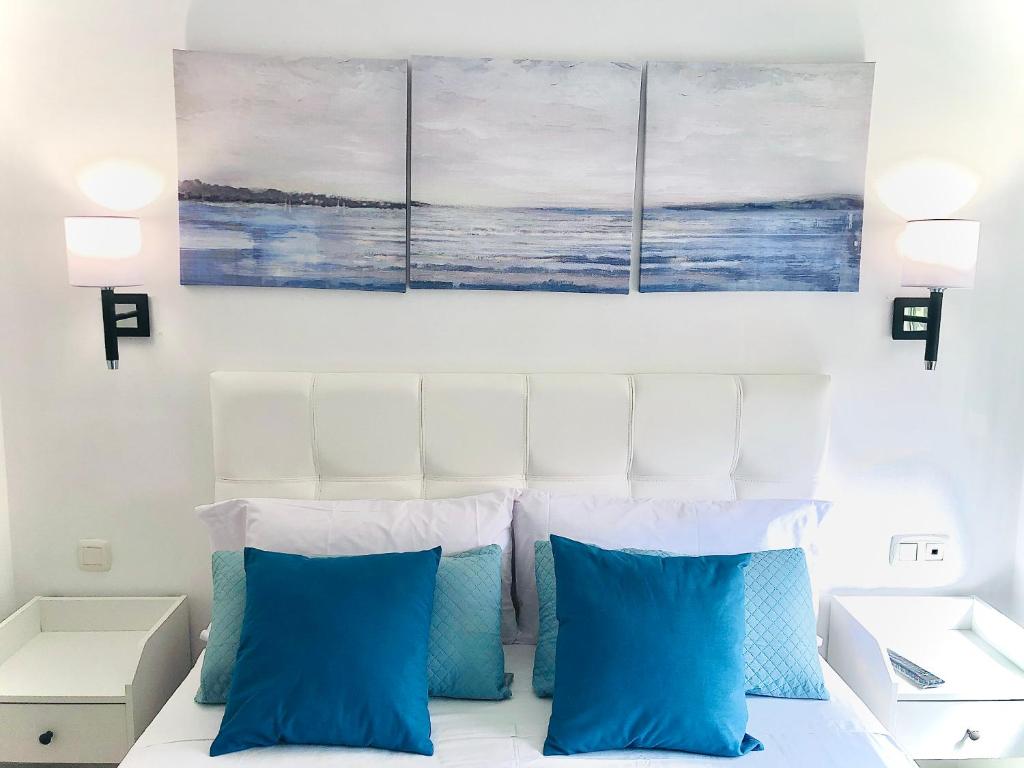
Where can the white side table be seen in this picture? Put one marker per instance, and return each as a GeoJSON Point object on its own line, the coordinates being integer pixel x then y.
{"type": "Point", "coordinates": [82, 677]}
{"type": "Point", "coordinates": [977, 713]}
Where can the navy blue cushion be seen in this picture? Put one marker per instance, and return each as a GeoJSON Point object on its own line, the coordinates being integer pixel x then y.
{"type": "Point", "coordinates": [333, 651]}
{"type": "Point", "coordinates": [649, 653]}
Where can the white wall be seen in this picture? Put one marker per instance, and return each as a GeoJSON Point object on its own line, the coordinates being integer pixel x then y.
{"type": "Point", "coordinates": [126, 455]}
{"type": "Point", "coordinates": [7, 317]}
{"type": "Point", "coordinates": [7, 603]}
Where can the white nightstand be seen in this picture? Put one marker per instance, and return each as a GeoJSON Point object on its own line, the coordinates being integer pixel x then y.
{"type": "Point", "coordinates": [977, 713]}
{"type": "Point", "coordinates": [82, 677]}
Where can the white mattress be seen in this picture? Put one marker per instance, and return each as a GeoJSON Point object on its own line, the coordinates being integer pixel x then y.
{"type": "Point", "coordinates": [840, 733]}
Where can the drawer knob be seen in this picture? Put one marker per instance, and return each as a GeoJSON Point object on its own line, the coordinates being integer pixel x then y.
{"type": "Point", "coordinates": [46, 738]}
{"type": "Point", "coordinates": [973, 734]}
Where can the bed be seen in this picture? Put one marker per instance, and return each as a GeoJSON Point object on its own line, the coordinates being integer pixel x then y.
{"type": "Point", "coordinates": [840, 733]}
{"type": "Point", "coordinates": [367, 435]}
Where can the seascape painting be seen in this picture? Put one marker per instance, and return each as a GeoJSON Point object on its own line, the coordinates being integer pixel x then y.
{"type": "Point", "coordinates": [522, 174]}
{"type": "Point", "coordinates": [292, 172]}
{"type": "Point", "coordinates": [754, 176]}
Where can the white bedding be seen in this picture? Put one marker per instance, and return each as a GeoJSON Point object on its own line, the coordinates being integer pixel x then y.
{"type": "Point", "coordinates": [840, 733]}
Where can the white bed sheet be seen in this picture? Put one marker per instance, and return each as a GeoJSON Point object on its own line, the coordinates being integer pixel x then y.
{"type": "Point", "coordinates": [840, 733]}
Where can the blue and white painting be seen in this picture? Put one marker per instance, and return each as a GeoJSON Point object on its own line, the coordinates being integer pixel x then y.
{"type": "Point", "coordinates": [522, 174]}
{"type": "Point", "coordinates": [754, 176]}
{"type": "Point", "coordinates": [292, 172]}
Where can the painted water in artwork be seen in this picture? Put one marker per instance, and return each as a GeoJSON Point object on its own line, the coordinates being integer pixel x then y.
{"type": "Point", "coordinates": [522, 174]}
{"type": "Point", "coordinates": [291, 172]}
{"type": "Point", "coordinates": [522, 249]}
{"type": "Point", "coordinates": [754, 176]}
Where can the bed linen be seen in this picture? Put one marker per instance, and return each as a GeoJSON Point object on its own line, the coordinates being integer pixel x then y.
{"type": "Point", "coordinates": [840, 733]}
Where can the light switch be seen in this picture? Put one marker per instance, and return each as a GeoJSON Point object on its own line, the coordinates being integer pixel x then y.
{"type": "Point", "coordinates": [908, 552]}
{"type": "Point", "coordinates": [94, 555]}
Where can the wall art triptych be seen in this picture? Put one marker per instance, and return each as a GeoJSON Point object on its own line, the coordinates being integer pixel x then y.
{"type": "Point", "coordinates": [519, 175]}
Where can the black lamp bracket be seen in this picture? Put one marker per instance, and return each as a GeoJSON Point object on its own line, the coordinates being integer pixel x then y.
{"type": "Point", "coordinates": [116, 324]}
{"type": "Point", "coordinates": [919, 319]}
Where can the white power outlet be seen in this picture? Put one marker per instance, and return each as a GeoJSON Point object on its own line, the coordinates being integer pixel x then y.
{"type": "Point", "coordinates": [94, 555]}
{"type": "Point", "coordinates": [913, 548]}
{"type": "Point", "coordinates": [934, 551]}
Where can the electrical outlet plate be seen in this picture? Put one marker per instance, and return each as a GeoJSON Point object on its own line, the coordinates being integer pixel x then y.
{"type": "Point", "coordinates": [94, 555]}
{"type": "Point", "coordinates": [934, 551]}
{"type": "Point", "coordinates": [914, 548]}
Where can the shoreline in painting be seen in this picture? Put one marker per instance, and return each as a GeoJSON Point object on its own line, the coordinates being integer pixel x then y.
{"type": "Point", "coordinates": [201, 191]}
{"type": "Point", "coordinates": [809, 244]}
{"type": "Point", "coordinates": [828, 203]}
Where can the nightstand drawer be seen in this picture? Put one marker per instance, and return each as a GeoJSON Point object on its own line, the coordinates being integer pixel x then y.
{"type": "Point", "coordinates": [937, 730]}
{"type": "Point", "coordinates": [86, 733]}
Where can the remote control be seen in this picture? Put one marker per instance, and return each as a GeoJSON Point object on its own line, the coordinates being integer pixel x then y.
{"type": "Point", "coordinates": [919, 676]}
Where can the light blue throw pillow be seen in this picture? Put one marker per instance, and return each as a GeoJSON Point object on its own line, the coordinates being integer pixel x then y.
{"type": "Point", "coordinates": [225, 627]}
{"type": "Point", "coordinates": [650, 653]}
{"type": "Point", "coordinates": [466, 660]}
{"type": "Point", "coordinates": [547, 628]}
{"type": "Point", "coordinates": [333, 652]}
{"type": "Point", "coordinates": [780, 650]}
{"type": "Point", "coordinates": [780, 653]}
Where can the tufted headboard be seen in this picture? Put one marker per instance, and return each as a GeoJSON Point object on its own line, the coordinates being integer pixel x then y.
{"type": "Point", "coordinates": [391, 435]}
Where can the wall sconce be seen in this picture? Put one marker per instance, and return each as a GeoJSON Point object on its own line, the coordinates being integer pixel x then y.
{"type": "Point", "coordinates": [937, 254]}
{"type": "Point", "coordinates": [103, 252]}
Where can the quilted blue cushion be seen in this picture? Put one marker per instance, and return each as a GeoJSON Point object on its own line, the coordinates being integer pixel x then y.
{"type": "Point", "coordinates": [547, 629]}
{"type": "Point", "coordinates": [333, 652]}
{"type": "Point", "coordinates": [225, 627]}
{"type": "Point", "coordinates": [650, 653]}
{"type": "Point", "coordinates": [780, 651]}
{"type": "Point", "coordinates": [466, 659]}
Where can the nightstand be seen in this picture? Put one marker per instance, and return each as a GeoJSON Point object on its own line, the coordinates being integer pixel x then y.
{"type": "Point", "coordinates": [977, 713]}
{"type": "Point", "coordinates": [82, 677]}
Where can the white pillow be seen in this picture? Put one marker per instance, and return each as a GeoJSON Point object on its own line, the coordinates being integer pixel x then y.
{"type": "Point", "coordinates": [368, 527]}
{"type": "Point", "coordinates": [684, 527]}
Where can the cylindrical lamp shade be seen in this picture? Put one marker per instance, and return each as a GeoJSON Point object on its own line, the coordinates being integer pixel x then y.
{"type": "Point", "coordinates": [103, 251]}
{"type": "Point", "coordinates": [939, 253]}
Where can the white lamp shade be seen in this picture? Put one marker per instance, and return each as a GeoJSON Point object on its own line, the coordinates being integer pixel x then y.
{"type": "Point", "coordinates": [103, 251]}
{"type": "Point", "coordinates": [939, 253]}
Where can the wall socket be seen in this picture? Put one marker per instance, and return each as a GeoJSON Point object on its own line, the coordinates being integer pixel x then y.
{"type": "Point", "coordinates": [94, 555]}
{"type": "Point", "coordinates": [913, 548]}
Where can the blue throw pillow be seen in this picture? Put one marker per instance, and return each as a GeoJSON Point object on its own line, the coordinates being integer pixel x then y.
{"type": "Point", "coordinates": [649, 653]}
{"type": "Point", "coordinates": [547, 627]}
{"type": "Point", "coordinates": [225, 627]}
{"type": "Point", "coordinates": [466, 659]}
{"type": "Point", "coordinates": [333, 651]}
{"type": "Point", "coordinates": [780, 650]}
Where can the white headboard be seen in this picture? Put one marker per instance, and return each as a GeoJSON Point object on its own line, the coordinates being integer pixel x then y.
{"type": "Point", "coordinates": [369, 435]}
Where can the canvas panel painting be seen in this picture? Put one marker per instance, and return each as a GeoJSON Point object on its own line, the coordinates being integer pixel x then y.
{"type": "Point", "coordinates": [754, 176]}
{"type": "Point", "coordinates": [522, 174]}
{"type": "Point", "coordinates": [292, 172]}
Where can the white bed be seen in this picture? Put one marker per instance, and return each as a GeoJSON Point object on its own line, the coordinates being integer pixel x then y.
{"type": "Point", "coordinates": [840, 733]}
{"type": "Point", "coordinates": [365, 435]}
